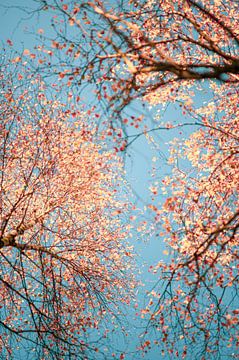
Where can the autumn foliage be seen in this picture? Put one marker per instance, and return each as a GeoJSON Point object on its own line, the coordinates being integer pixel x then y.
{"type": "Point", "coordinates": [64, 255]}
{"type": "Point", "coordinates": [63, 251]}
{"type": "Point", "coordinates": [195, 304]}
{"type": "Point", "coordinates": [140, 48]}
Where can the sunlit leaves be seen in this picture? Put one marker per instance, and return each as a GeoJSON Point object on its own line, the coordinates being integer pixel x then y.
{"type": "Point", "coordinates": [64, 254]}
{"type": "Point", "coordinates": [198, 290]}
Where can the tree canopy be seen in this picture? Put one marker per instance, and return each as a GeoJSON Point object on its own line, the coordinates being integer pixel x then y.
{"type": "Point", "coordinates": [103, 76]}
{"type": "Point", "coordinates": [64, 254]}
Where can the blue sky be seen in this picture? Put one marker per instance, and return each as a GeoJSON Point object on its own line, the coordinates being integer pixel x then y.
{"type": "Point", "coordinates": [17, 26]}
